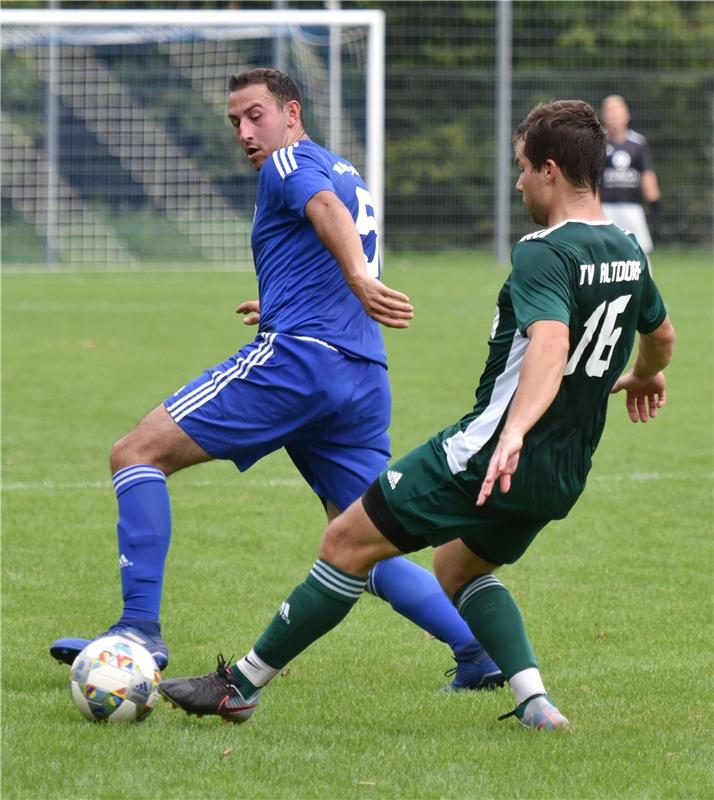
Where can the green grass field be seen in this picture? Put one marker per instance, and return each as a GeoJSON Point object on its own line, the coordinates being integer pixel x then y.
{"type": "Point", "coordinates": [617, 598]}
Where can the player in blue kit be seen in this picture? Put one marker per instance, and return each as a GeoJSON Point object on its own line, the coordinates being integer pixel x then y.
{"type": "Point", "coordinates": [314, 380]}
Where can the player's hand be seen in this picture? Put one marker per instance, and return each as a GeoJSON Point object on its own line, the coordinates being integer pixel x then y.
{"type": "Point", "coordinates": [644, 396]}
{"type": "Point", "coordinates": [388, 306]}
{"type": "Point", "coordinates": [503, 463]}
{"type": "Point", "coordinates": [251, 309]}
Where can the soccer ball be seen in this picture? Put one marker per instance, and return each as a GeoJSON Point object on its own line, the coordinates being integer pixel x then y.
{"type": "Point", "coordinates": [114, 680]}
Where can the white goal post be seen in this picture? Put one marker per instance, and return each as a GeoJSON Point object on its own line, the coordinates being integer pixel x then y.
{"type": "Point", "coordinates": [85, 91]}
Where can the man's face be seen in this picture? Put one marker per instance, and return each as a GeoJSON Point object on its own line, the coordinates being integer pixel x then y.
{"type": "Point", "coordinates": [260, 125]}
{"type": "Point", "coordinates": [615, 116]}
{"type": "Point", "coordinates": [532, 186]}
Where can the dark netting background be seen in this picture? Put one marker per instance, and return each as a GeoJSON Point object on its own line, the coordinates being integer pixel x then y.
{"type": "Point", "coordinates": [440, 126]}
{"type": "Point", "coordinates": [441, 123]}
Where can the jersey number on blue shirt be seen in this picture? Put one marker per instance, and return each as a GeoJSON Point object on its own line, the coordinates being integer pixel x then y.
{"type": "Point", "coordinates": [366, 223]}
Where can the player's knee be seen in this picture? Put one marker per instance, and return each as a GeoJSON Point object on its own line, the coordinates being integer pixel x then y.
{"type": "Point", "coordinates": [453, 575]}
{"type": "Point", "coordinates": [156, 441]}
{"type": "Point", "coordinates": [341, 549]}
{"type": "Point", "coordinates": [335, 541]}
{"type": "Point", "coordinates": [455, 565]}
{"type": "Point", "coordinates": [125, 453]}
{"type": "Point", "coordinates": [142, 445]}
{"type": "Point", "coordinates": [447, 583]}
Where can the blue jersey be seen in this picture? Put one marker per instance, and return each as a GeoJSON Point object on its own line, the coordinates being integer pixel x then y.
{"type": "Point", "coordinates": [301, 286]}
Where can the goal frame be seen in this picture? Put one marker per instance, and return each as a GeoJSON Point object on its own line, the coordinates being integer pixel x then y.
{"type": "Point", "coordinates": [371, 19]}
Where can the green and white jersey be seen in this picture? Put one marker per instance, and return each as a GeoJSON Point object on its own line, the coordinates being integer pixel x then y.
{"type": "Point", "coordinates": [595, 278]}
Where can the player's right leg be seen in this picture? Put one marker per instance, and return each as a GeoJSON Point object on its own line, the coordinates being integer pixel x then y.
{"type": "Point", "coordinates": [140, 463]}
{"type": "Point", "coordinates": [311, 610]}
{"type": "Point", "coordinates": [249, 405]}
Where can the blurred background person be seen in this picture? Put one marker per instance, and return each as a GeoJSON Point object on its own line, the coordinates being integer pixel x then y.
{"type": "Point", "coordinates": [629, 181]}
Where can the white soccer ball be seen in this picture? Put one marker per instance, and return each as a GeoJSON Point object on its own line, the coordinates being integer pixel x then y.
{"type": "Point", "coordinates": [114, 680]}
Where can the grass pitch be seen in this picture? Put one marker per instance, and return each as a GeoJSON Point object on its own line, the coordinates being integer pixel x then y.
{"type": "Point", "coordinates": [617, 598]}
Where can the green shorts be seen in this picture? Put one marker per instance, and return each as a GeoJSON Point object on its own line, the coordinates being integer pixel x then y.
{"type": "Point", "coordinates": [418, 503]}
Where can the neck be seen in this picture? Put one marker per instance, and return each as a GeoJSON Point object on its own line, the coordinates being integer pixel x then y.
{"type": "Point", "coordinates": [578, 204]}
{"type": "Point", "coordinates": [297, 136]}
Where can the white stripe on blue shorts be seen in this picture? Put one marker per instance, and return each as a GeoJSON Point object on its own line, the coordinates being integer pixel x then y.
{"type": "Point", "coordinates": [219, 380]}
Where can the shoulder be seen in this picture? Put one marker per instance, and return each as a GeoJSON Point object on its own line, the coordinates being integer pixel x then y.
{"type": "Point", "coordinates": [283, 162]}
{"type": "Point", "coordinates": [536, 251]}
{"type": "Point", "coordinates": [543, 234]}
{"type": "Point", "coordinates": [555, 247]}
{"type": "Point", "coordinates": [531, 237]}
{"type": "Point", "coordinates": [527, 248]}
{"type": "Point", "coordinates": [304, 155]}
{"type": "Point", "coordinates": [635, 138]}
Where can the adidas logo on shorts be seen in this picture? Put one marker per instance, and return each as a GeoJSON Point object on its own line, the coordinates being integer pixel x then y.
{"type": "Point", "coordinates": [393, 477]}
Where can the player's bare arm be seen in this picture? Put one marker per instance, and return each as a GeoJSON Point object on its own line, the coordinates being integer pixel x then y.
{"type": "Point", "coordinates": [251, 310]}
{"type": "Point", "coordinates": [650, 186]}
{"type": "Point", "coordinates": [539, 381]}
{"type": "Point", "coordinates": [644, 384]}
{"type": "Point", "coordinates": [336, 228]}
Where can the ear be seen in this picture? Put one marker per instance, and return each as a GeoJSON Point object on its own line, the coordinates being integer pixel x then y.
{"type": "Point", "coordinates": [550, 170]}
{"type": "Point", "coordinates": [294, 112]}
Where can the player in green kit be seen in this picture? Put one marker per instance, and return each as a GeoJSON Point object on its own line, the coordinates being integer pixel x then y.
{"type": "Point", "coordinates": [481, 489]}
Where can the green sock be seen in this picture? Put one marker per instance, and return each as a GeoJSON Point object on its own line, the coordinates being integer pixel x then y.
{"type": "Point", "coordinates": [313, 608]}
{"type": "Point", "coordinates": [493, 616]}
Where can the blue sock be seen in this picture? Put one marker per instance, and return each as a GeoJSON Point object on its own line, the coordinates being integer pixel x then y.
{"type": "Point", "coordinates": [144, 533]}
{"type": "Point", "coordinates": [416, 594]}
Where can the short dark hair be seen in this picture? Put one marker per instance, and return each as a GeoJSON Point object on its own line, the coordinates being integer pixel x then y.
{"type": "Point", "coordinates": [279, 84]}
{"type": "Point", "coordinates": [570, 133]}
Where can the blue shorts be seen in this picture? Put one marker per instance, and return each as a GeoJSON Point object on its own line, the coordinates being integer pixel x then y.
{"type": "Point", "coordinates": [329, 411]}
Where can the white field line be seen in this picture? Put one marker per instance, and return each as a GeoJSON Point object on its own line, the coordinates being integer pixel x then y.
{"type": "Point", "coordinates": [55, 486]}
{"type": "Point", "coordinates": [645, 477]}
{"type": "Point", "coordinates": [40, 486]}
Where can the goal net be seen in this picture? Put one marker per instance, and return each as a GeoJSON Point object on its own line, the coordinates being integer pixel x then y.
{"type": "Point", "coordinates": [116, 150]}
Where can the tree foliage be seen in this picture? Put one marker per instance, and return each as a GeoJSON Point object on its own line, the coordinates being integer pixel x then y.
{"type": "Point", "coordinates": [441, 73]}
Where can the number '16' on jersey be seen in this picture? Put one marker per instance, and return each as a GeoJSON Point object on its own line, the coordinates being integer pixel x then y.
{"type": "Point", "coordinates": [594, 278]}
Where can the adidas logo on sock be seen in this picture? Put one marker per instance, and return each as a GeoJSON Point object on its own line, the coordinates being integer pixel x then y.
{"type": "Point", "coordinates": [393, 477]}
{"type": "Point", "coordinates": [285, 613]}
{"type": "Point", "coordinates": [124, 562]}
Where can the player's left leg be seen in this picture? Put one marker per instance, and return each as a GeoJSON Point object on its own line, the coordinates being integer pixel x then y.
{"type": "Point", "coordinates": [427, 506]}
{"type": "Point", "coordinates": [495, 618]}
